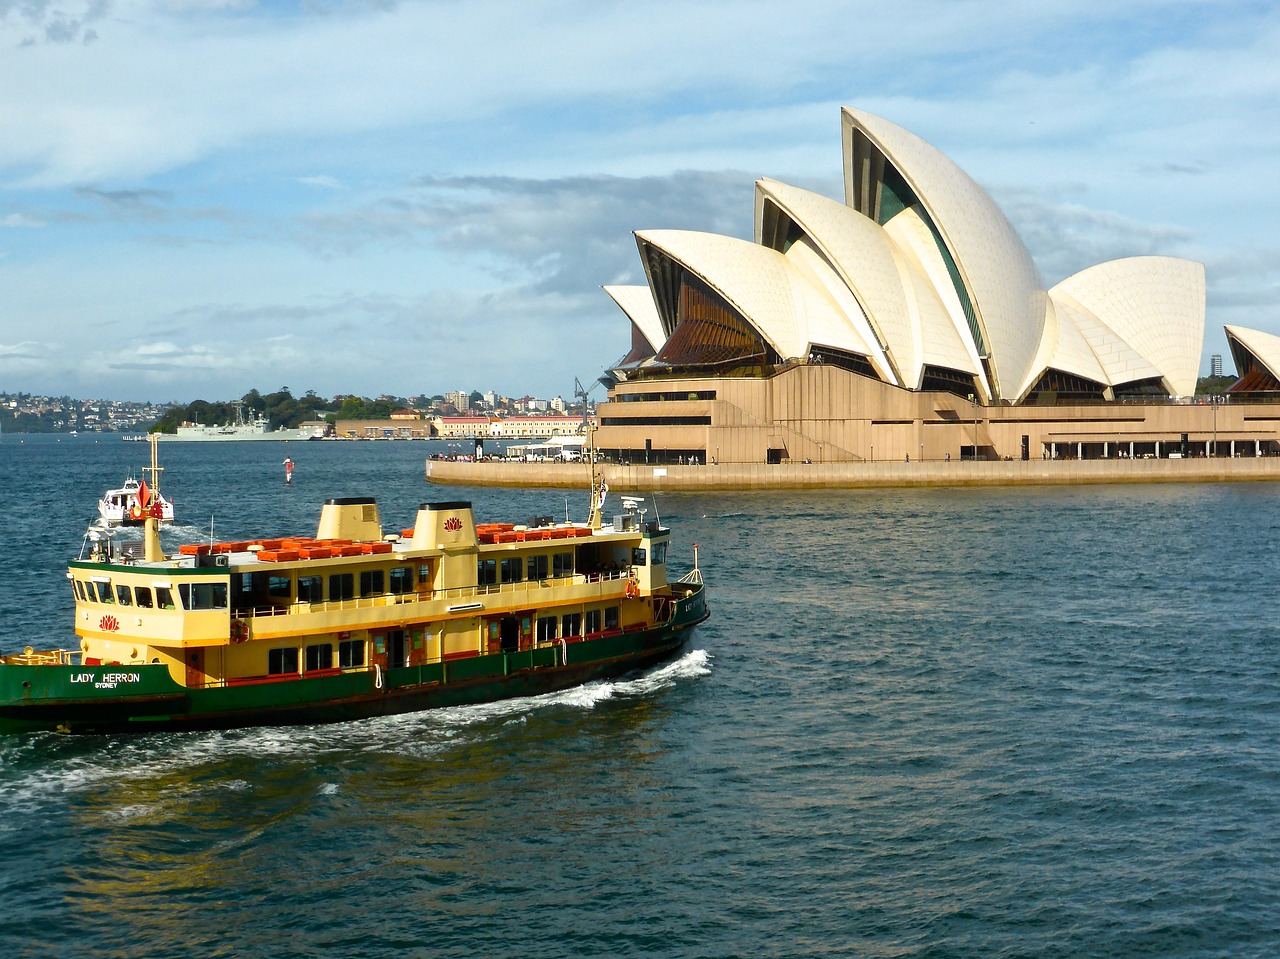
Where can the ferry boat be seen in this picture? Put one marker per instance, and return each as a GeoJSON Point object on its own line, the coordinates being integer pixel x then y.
{"type": "Point", "coordinates": [353, 622]}
{"type": "Point", "coordinates": [131, 503]}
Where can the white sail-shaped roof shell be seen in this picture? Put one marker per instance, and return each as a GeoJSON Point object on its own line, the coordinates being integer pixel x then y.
{"type": "Point", "coordinates": [1151, 307]}
{"type": "Point", "coordinates": [1264, 347]}
{"type": "Point", "coordinates": [839, 321]}
{"type": "Point", "coordinates": [751, 278]}
{"type": "Point", "coordinates": [858, 250]}
{"type": "Point", "coordinates": [1109, 360]}
{"type": "Point", "coordinates": [940, 328]}
{"type": "Point", "coordinates": [1002, 281]}
{"type": "Point", "coordinates": [637, 303]}
{"type": "Point", "coordinates": [1068, 349]}
{"type": "Point", "coordinates": [769, 291]}
{"type": "Point", "coordinates": [944, 283]}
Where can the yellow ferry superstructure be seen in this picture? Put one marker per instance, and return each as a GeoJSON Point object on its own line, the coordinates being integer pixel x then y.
{"type": "Point", "coordinates": [353, 621]}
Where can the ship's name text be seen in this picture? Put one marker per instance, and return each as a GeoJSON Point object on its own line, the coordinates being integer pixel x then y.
{"type": "Point", "coordinates": [106, 680]}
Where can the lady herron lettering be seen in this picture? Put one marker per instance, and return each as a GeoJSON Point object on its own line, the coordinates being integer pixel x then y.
{"type": "Point", "coordinates": [106, 680]}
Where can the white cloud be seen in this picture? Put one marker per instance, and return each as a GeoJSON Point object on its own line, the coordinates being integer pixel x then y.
{"type": "Point", "coordinates": [22, 221]}
{"type": "Point", "coordinates": [320, 180]}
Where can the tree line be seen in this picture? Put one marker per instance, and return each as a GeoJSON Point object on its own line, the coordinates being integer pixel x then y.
{"type": "Point", "coordinates": [281, 408]}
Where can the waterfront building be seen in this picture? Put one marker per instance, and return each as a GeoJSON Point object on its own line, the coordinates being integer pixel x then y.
{"type": "Point", "coordinates": [413, 428]}
{"type": "Point", "coordinates": [506, 427]}
{"type": "Point", "coordinates": [907, 321]}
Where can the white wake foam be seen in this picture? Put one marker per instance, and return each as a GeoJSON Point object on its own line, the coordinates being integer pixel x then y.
{"type": "Point", "coordinates": [58, 767]}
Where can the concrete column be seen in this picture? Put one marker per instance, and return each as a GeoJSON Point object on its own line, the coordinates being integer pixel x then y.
{"type": "Point", "coordinates": [1130, 449]}
{"type": "Point", "coordinates": [1105, 449]}
{"type": "Point", "coordinates": [1079, 451]}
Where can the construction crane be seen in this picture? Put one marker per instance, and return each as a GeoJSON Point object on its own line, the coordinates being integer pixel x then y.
{"type": "Point", "coordinates": [581, 392]}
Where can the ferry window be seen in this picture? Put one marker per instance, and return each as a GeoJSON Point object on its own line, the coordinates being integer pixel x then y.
{"type": "Point", "coordinates": [594, 618]}
{"type": "Point", "coordinates": [164, 597]}
{"type": "Point", "coordinates": [537, 568]}
{"type": "Point", "coordinates": [281, 661]}
{"type": "Point", "coordinates": [401, 580]}
{"type": "Point", "coordinates": [104, 592]}
{"type": "Point", "coordinates": [143, 594]}
{"type": "Point", "coordinates": [319, 656]}
{"type": "Point", "coordinates": [571, 625]}
{"type": "Point", "coordinates": [203, 595]}
{"type": "Point", "coordinates": [637, 556]}
{"type": "Point", "coordinates": [341, 586]}
{"type": "Point", "coordinates": [611, 617]}
{"type": "Point", "coordinates": [512, 569]}
{"type": "Point", "coordinates": [486, 572]}
{"type": "Point", "coordinates": [424, 573]}
{"type": "Point", "coordinates": [309, 589]}
{"type": "Point", "coordinates": [124, 596]}
{"type": "Point", "coordinates": [351, 653]}
{"type": "Point", "coordinates": [659, 554]}
{"type": "Point", "coordinates": [546, 629]}
{"type": "Point", "coordinates": [371, 581]}
{"type": "Point", "coordinates": [78, 588]}
{"type": "Point", "coordinates": [279, 587]}
{"type": "Point", "coordinates": [562, 565]}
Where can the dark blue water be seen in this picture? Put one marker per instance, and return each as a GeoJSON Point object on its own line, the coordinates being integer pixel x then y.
{"type": "Point", "coordinates": [920, 724]}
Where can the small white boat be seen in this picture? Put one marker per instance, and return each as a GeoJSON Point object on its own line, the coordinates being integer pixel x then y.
{"type": "Point", "coordinates": [131, 504]}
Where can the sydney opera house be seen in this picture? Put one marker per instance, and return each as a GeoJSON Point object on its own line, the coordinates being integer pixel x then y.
{"type": "Point", "coordinates": [910, 321]}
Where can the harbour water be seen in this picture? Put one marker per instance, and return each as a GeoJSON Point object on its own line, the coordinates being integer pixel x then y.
{"type": "Point", "coordinates": [921, 723]}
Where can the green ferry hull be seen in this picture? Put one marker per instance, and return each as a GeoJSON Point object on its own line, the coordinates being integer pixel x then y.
{"type": "Point", "coordinates": [114, 699]}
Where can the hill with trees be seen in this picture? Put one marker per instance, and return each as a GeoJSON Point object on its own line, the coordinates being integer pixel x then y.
{"type": "Point", "coordinates": [280, 408]}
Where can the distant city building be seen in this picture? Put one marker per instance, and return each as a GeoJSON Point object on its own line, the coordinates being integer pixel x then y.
{"type": "Point", "coordinates": [557, 404]}
{"type": "Point", "coordinates": [506, 427]}
{"type": "Point", "coordinates": [1215, 364]}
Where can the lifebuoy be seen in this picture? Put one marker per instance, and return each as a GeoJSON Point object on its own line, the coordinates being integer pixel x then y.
{"type": "Point", "coordinates": [136, 512]}
{"type": "Point", "coordinates": [239, 631]}
{"type": "Point", "coordinates": [633, 589]}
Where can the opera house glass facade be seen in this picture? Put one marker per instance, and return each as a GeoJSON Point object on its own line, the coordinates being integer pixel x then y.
{"type": "Point", "coordinates": [909, 320]}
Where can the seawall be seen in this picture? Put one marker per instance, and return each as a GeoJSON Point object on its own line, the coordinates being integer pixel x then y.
{"type": "Point", "coordinates": [744, 476]}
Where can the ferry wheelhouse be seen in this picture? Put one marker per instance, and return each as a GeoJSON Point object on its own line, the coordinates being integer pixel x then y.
{"type": "Point", "coordinates": [352, 622]}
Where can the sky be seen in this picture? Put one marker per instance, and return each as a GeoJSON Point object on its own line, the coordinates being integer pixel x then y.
{"type": "Point", "coordinates": [203, 197]}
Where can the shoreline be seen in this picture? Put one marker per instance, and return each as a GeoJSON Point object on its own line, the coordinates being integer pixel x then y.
{"type": "Point", "coordinates": [793, 476]}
